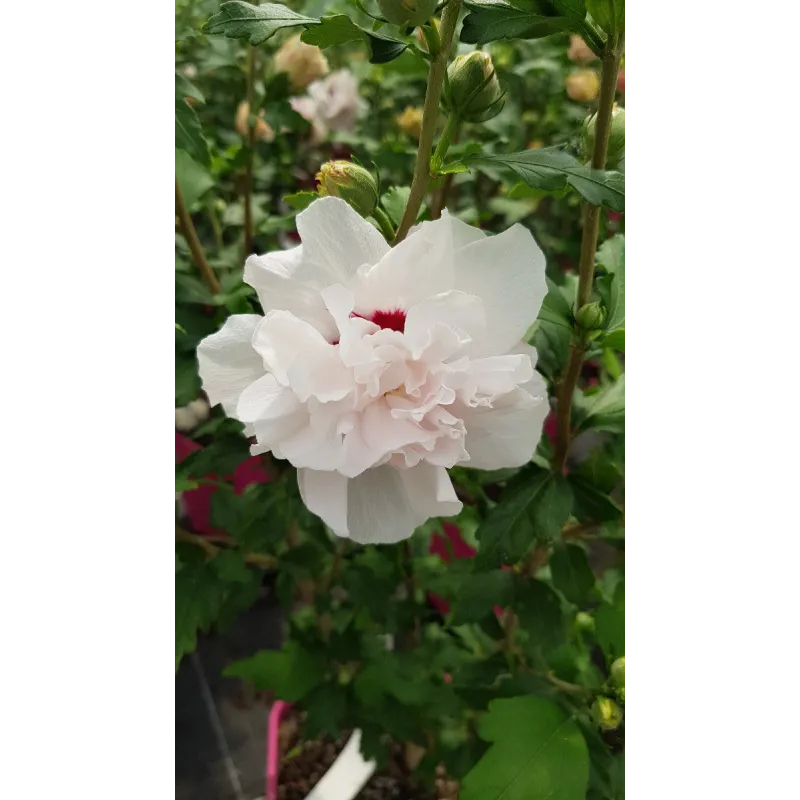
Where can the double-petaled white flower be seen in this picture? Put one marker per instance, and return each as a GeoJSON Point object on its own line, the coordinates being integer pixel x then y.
{"type": "Point", "coordinates": [374, 369]}
{"type": "Point", "coordinates": [331, 104]}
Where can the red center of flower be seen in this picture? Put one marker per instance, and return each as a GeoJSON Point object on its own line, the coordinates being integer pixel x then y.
{"type": "Point", "coordinates": [395, 320]}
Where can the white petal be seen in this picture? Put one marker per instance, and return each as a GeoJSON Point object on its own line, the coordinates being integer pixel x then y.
{"type": "Point", "coordinates": [419, 267]}
{"type": "Point", "coordinates": [325, 494]}
{"type": "Point", "coordinates": [431, 491]}
{"type": "Point", "coordinates": [536, 385]}
{"type": "Point", "coordinates": [463, 234]}
{"type": "Point", "coordinates": [438, 318]}
{"type": "Point", "coordinates": [379, 510]}
{"type": "Point", "coordinates": [507, 273]}
{"type": "Point", "coordinates": [227, 361]}
{"type": "Point", "coordinates": [506, 434]}
{"type": "Point", "coordinates": [266, 399]}
{"type": "Point", "coordinates": [336, 240]}
{"type": "Point", "coordinates": [301, 357]}
{"type": "Point", "coordinates": [274, 277]}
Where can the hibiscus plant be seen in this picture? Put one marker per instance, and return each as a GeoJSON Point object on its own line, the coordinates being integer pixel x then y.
{"type": "Point", "coordinates": [422, 371]}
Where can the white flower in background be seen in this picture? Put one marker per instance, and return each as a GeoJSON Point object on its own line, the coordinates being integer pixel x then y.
{"type": "Point", "coordinates": [303, 62]}
{"type": "Point", "coordinates": [188, 417]}
{"type": "Point", "coordinates": [376, 369]}
{"type": "Point", "coordinates": [332, 104]}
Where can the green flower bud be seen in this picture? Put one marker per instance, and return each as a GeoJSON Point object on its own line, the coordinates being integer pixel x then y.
{"type": "Point", "coordinates": [407, 13]}
{"type": "Point", "coordinates": [618, 673]}
{"type": "Point", "coordinates": [350, 182]}
{"type": "Point", "coordinates": [472, 90]}
{"type": "Point", "coordinates": [591, 317]}
{"type": "Point", "coordinates": [584, 622]}
{"type": "Point", "coordinates": [607, 714]}
{"type": "Point", "coordinates": [616, 138]}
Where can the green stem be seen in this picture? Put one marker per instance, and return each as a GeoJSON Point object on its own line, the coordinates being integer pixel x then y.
{"type": "Point", "coordinates": [591, 224]}
{"type": "Point", "coordinates": [387, 229]}
{"type": "Point", "coordinates": [430, 113]}
{"type": "Point", "coordinates": [248, 168]}
{"type": "Point", "coordinates": [450, 128]}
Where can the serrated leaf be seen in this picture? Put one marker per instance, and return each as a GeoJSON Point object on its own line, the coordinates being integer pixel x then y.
{"type": "Point", "coordinates": [590, 504]}
{"type": "Point", "coordinates": [337, 29]}
{"type": "Point", "coordinates": [479, 593]}
{"type": "Point", "coordinates": [611, 255]}
{"type": "Point", "coordinates": [537, 753]}
{"type": "Point", "coordinates": [239, 20]}
{"type": "Point", "coordinates": [193, 178]}
{"type": "Point", "coordinates": [539, 610]}
{"type": "Point", "coordinates": [490, 22]}
{"type": "Point", "coordinates": [198, 599]}
{"type": "Point", "coordinates": [535, 510]}
{"type": "Point", "coordinates": [571, 572]}
{"type": "Point", "coordinates": [188, 133]}
{"type": "Point", "coordinates": [604, 410]}
{"type": "Point", "coordinates": [394, 202]}
{"type": "Point", "coordinates": [555, 309]}
{"type": "Point", "coordinates": [290, 673]}
{"type": "Point", "coordinates": [552, 169]}
{"type": "Point", "coordinates": [300, 200]}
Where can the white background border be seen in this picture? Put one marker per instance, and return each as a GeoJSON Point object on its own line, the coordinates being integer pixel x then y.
{"type": "Point", "coordinates": [87, 374]}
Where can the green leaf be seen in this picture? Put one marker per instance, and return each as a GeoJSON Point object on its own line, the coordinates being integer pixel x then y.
{"type": "Point", "coordinates": [300, 200]}
{"type": "Point", "coordinates": [610, 629]}
{"type": "Point", "coordinates": [615, 340]}
{"type": "Point", "coordinates": [480, 593]}
{"type": "Point", "coordinates": [290, 673]}
{"type": "Point", "coordinates": [539, 611]}
{"type": "Point", "coordinates": [552, 169]}
{"type": "Point", "coordinates": [611, 256]}
{"type": "Point", "coordinates": [198, 600]}
{"type": "Point", "coordinates": [185, 88]}
{"type": "Point", "coordinates": [193, 179]}
{"type": "Point", "coordinates": [394, 203]}
{"type": "Point", "coordinates": [188, 134]}
{"type": "Point", "coordinates": [330, 31]}
{"type": "Point", "coordinates": [238, 20]}
{"type": "Point", "coordinates": [494, 21]}
{"type": "Point", "coordinates": [555, 309]}
{"type": "Point", "coordinates": [183, 484]}
{"type": "Point", "coordinates": [608, 14]}
{"type": "Point", "coordinates": [574, 9]}
{"type": "Point", "coordinates": [537, 753]}
{"type": "Point", "coordinates": [592, 505]}
{"type": "Point", "coordinates": [604, 472]}
{"type": "Point", "coordinates": [536, 510]}
{"type": "Point", "coordinates": [384, 48]}
{"type": "Point", "coordinates": [604, 410]}
{"type": "Point", "coordinates": [571, 572]}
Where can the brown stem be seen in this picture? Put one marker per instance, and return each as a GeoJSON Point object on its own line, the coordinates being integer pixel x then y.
{"type": "Point", "coordinates": [591, 223]}
{"type": "Point", "coordinates": [205, 543]}
{"type": "Point", "coordinates": [430, 114]}
{"type": "Point", "coordinates": [195, 248]}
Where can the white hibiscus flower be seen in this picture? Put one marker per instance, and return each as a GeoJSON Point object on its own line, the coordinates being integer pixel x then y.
{"type": "Point", "coordinates": [374, 369]}
{"type": "Point", "coordinates": [332, 104]}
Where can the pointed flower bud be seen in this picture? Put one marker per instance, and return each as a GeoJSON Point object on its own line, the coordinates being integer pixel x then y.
{"type": "Point", "coordinates": [407, 13]}
{"type": "Point", "coordinates": [472, 91]}
{"type": "Point", "coordinates": [607, 714]}
{"type": "Point", "coordinates": [616, 138]}
{"type": "Point", "coordinates": [352, 183]}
